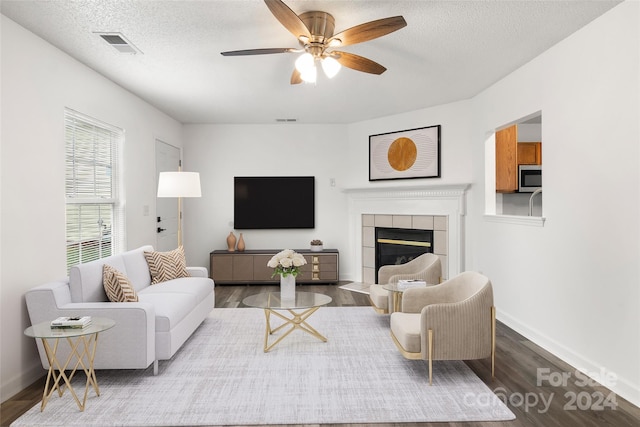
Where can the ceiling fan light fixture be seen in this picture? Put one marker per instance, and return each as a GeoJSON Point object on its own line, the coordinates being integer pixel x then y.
{"type": "Point", "coordinates": [330, 67]}
{"type": "Point", "coordinates": [310, 75]}
{"type": "Point", "coordinates": [305, 62]}
{"type": "Point", "coordinates": [314, 30]}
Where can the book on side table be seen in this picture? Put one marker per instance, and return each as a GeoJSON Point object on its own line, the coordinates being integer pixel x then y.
{"type": "Point", "coordinates": [77, 322]}
{"type": "Point", "coordinates": [406, 284]}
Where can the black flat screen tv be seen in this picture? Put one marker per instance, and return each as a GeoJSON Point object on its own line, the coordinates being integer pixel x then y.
{"type": "Point", "coordinates": [272, 202]}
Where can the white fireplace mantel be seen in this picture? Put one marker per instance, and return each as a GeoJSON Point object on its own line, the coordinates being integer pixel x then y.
{"type": "Point", "coordinates": [447, 200]}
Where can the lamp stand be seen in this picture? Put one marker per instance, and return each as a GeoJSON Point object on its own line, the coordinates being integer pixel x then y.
{"type": "Point", "coordinates": [179, 221]}
{"type": "Point", "coordinates": [180, 211]}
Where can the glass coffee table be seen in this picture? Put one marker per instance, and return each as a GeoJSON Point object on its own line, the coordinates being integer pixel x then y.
{"type": "Point", "coordinates": [82, 343]}
{"type": "Point", "coordinates": [271, 303]}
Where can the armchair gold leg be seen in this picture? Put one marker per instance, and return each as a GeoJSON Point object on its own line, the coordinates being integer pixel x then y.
{"type": "Point", "coordinates": [430, 355]}
{"type": "Point", "coordinates": [493, 341]}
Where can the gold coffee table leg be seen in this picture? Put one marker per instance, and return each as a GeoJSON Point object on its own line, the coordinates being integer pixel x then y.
{"type": "Point", "coordinates": [297, 321]}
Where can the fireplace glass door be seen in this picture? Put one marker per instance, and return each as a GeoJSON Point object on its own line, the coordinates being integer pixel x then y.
{"type": "Point", "coordinates": [400, 245]}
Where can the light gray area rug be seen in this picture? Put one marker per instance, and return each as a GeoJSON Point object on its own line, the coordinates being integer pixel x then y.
{"type": "Point", "coordinates": [221, 376]}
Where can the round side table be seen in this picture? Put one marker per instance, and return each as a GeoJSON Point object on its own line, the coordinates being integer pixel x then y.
{"type": "Point", "coordinates": [82, 342]}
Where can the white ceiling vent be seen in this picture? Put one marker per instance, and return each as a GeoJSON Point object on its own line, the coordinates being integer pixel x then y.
{"type": "Point", "coordinates": [286, 120]}
{"type": "Point", "coordinates": [119, 42]}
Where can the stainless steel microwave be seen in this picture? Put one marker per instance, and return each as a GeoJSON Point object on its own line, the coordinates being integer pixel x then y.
{"type": "Point", "coordinates": [529, 178]}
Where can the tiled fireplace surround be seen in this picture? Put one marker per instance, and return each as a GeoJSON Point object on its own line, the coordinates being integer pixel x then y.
{"type": "Point", "coordinates": [419, 222]}
{"type": "Point", "coordinates": [439, 208]}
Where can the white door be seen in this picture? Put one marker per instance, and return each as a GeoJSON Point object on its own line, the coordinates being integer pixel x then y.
{"type": "Point", "coordinates": [167, 159]}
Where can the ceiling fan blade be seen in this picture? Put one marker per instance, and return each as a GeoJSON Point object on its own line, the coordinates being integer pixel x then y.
{"type": "Point", "coordinates": [369, 30]}
{"type": "Point", "coordinates": [258, 51]}
{"type": "Point", "coordinates": [288, 18]}
{"type": "Point", "coordinates": [358, 63]}
{"type": "Point", "coordinates": [296, 78]}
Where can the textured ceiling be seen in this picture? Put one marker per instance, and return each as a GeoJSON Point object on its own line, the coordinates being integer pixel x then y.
{"type": "Point", "coordinates": [449, 51]}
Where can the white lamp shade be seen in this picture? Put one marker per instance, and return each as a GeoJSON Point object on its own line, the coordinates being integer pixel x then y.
{"type": "Point", "coordinates": [304, 62]}
{"type": "Point", "coordinates": [330, 66]}
{"type": "Point", "coordinates": [179, 184]}
{"type": "Point", "coordinates": [309, 75]}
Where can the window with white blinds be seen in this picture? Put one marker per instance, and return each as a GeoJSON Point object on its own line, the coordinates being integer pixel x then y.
{"type": "Point", "coordinates": [94, 209]}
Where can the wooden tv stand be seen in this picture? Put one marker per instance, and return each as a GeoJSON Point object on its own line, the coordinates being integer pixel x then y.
{"type": "Point", "coordinates": [250, 267]}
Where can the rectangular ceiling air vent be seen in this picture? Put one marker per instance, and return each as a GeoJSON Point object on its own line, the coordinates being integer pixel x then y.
{"type": "Point", "coordinates": [119, 42]}
{"type": "Point", "coordinates": [286, 120]}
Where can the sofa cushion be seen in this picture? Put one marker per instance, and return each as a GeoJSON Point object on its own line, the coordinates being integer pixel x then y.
{"type": "Point", "coordinates": [170, 308]}
{"type": "Point", "coordinates": [165, 266]}
{"type": "Point", "coordinates": [174, 299]}
{"type": "Point", "coordinates": [137, 269]}
{"type": "Point", "coordinates": [116, 285]}
{"type": "Point", "coordinates": [199, 287]}
{"type": "Point", "coordinates": [85, 280]}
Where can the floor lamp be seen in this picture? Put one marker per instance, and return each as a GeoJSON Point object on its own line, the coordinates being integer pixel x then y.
{"type": "Point", "coordinates": [179, 184]}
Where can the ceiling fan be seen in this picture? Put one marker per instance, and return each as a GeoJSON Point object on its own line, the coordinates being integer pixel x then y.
{"type": "Point", "coordinates": [314, 31]}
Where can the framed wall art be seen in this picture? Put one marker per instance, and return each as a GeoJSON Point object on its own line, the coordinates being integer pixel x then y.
{"type": "Point", "coordinates": [413, 153]}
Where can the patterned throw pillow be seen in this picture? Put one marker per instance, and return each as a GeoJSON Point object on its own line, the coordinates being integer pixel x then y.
{"type": "Point", "coordinates": [116, 285]}
{"type": "Point", "coordinates": [165, 266]}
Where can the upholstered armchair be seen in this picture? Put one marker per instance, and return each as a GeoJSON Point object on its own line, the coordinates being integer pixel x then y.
{"type": "Point", "coordinates": [426, 267]}
{"type": "Point", "coordinates": [454, 320]}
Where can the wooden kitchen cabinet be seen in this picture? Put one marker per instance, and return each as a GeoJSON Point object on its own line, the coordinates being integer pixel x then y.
{"type": "Point", "coordinates": [529, 153]}
{"type": "Point", "coordinates": [507, 160]}
{"type": "Point", "coordinates": [509, 154]}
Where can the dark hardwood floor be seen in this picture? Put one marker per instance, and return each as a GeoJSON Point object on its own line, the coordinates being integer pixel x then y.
{"type": "Point", "coordinates": [519, 365]}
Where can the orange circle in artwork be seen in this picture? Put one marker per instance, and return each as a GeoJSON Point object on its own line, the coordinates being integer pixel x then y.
{"type": "Point", "coordinates": [402, 154]}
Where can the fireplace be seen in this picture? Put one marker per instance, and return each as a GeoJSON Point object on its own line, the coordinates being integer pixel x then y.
{"type": "Point", "coordinates": [440, 208]}
{"type": "Point", "coordinates": [395, 246]}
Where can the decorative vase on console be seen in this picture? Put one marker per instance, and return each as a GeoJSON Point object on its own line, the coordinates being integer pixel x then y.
{"type": "Point", "coordinates": [231, 242]}
{"type": "Point", "coordinates": [241, 245]}
{"type": "Point", "coordinates": [287, 264]}
{"type": "Point", "coordinates": [287, 287]}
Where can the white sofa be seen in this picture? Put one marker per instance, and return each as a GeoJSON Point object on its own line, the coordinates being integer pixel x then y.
{"type": "Point", "coordinates": [152, 329]}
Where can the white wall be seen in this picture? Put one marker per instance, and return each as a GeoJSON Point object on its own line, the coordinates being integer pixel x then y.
{"type": "Point", "coordinates": [38, 82]}
{"type": "Point", "coordinates": [220, 152]}
{"type": "Point", "coordinates": [573, 284]}
{"type": "Point", "coordinates": [529, 132]}
{"type": "Point", "coordinates": [456, 161]}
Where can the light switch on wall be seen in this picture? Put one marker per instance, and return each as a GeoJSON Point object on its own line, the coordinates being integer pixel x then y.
{"type": "Point", "coordinates": [145, 210]}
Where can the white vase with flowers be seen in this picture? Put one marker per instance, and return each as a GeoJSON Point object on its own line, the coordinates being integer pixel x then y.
{"type": "Point", "coordinates": [287, 264]}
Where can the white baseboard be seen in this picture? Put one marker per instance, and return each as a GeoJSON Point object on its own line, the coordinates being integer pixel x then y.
{"type": "Point", "coordinates": [23, 380]}
{"type": "Point", "coordinates": [621, 386]}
